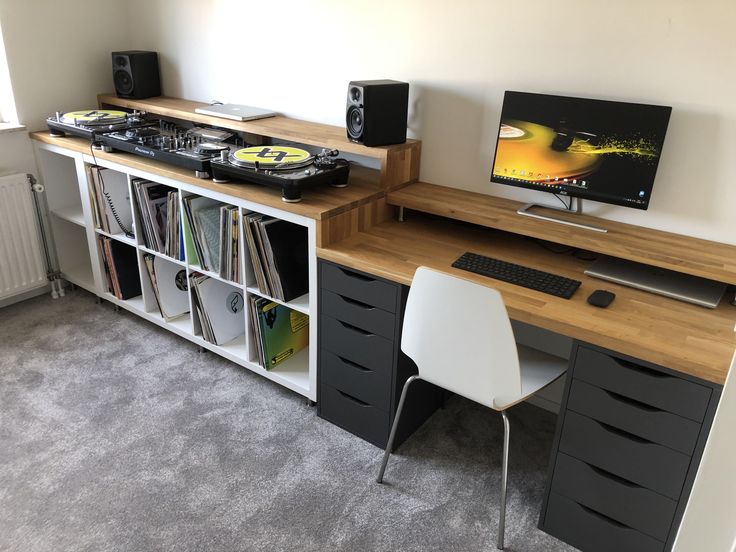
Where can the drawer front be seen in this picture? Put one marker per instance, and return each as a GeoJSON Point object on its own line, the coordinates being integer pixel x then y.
{"type": "Point", "coordinates": [359, 286]}
{"type": "Point", "coordinates": [368, 385]}
{"type": "Point", "coordinates": [352, 414]}
{"type": "Point", "coordinates": [634, 417]}
{"type": "Point", "coordinates": [627, 503]}
{"type": "Point", "coordinates": [653, 466]}
{"type": "Point", "coordinates": [651, 387]}
{"type": "Point", "coordinates": [588, 530]}
{"type": "Point", "coordinates": [358, 314]}
{"type": "Point", "coordinates": [357, 345]}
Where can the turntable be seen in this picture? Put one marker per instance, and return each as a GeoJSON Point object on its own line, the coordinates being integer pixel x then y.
{"type": "Point", "coordinates": [289, 169]}
{"type": "Point", "coordinates": [91, 122]}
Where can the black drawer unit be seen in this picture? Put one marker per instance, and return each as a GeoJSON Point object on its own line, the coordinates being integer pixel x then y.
{"type": "Point", "coordinates": [633, 458]}
{"type": "Point", "coordinates": [627, 503]}
{"type": "Point", "coordinates": [361, 369]}
{"type": "Point", "coordinates": [588, 530]}
{"type": "Point", "coordinates": [663, 390]}
{"type": "Point", "coordinates": [642, 420]}
{"type": "Point", "coordinates": [628, 444]}
{"type": "Point", "coordinates": [369, 290]}
{"type": "Point", "coordinates": [358, 417]}
{"type": "Point", "coordinates": [371, 319]}
{"type": "Point", "coordinates": [365, 384]}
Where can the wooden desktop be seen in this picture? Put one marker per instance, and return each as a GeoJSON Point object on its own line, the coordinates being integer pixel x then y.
{"type": "Point", "coordinates": [684, 337]}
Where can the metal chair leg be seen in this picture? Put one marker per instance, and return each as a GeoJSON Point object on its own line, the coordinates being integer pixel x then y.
{"type": "Point", "coordinates": [504, 476]}
{"type": "Point", "coordinates": [391, 436]}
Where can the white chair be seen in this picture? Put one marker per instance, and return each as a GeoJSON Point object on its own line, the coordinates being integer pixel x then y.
{"type": "Point", "coordinates": [459, 335]}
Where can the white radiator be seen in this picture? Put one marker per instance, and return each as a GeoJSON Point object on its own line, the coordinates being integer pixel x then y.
{"type": "Point", "coordinates": [21, 252]}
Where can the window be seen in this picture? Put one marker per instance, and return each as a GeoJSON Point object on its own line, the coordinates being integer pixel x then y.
{"type": "Point", "coordinates": [8, 115]}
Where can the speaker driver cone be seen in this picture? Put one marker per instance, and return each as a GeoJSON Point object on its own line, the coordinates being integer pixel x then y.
{"type": "Point", "coordinates": [123, 82]}
{"type": "Point", "coordinates": [354, 122]}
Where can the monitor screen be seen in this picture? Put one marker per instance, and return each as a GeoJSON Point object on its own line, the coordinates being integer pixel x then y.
{"type": "Point", "coordinates": [594, 149]}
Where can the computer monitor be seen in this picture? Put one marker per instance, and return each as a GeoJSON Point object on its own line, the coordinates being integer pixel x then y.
{"type": "Point", "coordinates": [593, 149]}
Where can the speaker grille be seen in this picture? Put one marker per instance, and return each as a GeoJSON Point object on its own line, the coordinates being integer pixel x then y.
{"type": "Point", "coordinates": [354, 122]}
{"type": "Point", "coordinates": [123, 82]}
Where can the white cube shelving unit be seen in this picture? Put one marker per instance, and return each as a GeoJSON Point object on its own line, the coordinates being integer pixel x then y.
{"type": "Point", "coordinates": [64, 173]}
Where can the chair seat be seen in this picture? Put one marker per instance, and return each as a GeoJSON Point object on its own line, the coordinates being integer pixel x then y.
{"type": "Point", "coordinates": [538, 369]}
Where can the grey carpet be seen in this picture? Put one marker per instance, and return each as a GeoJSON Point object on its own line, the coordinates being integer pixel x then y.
{"type": "Point", "coordinates": [116, 435]}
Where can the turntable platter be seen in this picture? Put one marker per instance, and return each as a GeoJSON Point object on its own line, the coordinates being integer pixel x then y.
{"type": "Point", "coordinates": [210, 148]}
{"type": "Point", "coordinates": [271, 157]}
{"type": "Point", "coordinates": [94, 117]}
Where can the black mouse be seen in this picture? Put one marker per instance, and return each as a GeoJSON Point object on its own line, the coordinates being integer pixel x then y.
{"type": "Point", "coordinates": [601, 298]}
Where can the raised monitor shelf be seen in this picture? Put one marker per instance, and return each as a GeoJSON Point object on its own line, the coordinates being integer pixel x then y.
{"type": "Point", "coordinates": [399, 163]}
{"type": "Point", "coordinates": [694, 256]}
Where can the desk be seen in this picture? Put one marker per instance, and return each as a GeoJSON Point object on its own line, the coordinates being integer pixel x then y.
{"type": "Point", "coordinates": [653, 345]}
{"type": "Point", "coordinates": [686, 338]}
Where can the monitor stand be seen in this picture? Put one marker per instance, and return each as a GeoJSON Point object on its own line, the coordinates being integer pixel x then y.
{"type": "Point", "coordinates": [525, 210]}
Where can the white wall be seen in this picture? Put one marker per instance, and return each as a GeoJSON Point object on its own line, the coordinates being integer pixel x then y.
{"type": "Point", "coordinates": [59, 58]}
{"type": "Point", "coordinates": [59, 53]}
{"type": "Point", "coordinates": [297, 57]}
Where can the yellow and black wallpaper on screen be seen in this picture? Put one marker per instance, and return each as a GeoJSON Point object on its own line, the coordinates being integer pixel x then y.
{"type": "Point", "coordinates": [596, 149]}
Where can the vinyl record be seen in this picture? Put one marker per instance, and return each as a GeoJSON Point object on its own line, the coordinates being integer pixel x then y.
{"type": "Point", "coordinates": [271, 157]}
{"type": "Point", "coordinates": [525, 153]}
{"type": "Point", "coordinates": [173, 289]}
{"type": "Point", "coordinates": [94, 117]}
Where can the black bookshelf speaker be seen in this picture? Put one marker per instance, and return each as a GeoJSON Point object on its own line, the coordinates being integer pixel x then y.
{"type": "Point", "coordinates": [377, 112]}
{"type": "Point", "coordinates": [135, 74]}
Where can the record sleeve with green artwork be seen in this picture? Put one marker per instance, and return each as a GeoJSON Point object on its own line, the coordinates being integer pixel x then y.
{"type": "Point", "coordinates": [284, 332]}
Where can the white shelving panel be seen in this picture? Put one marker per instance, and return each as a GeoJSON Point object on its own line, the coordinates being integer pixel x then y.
{"type": "Point", "coordinates": [70, 213]}
{"type": "Point", "coordinates": [65, 174]}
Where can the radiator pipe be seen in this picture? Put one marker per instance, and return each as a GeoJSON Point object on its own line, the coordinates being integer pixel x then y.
{"type": "Point", "coordinates": [53, 274]}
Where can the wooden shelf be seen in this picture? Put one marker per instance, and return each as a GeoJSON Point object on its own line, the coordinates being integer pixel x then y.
{"type": "Point", "coordinates": [399, 163]}
{"type": "Point", "coordinates": [319, 203]}
{"type": "Point", "coordinates": [120, 236]}
{"type": "Point", "coordinates": [70, 213]}
{"type": "Point", "coordinates": [688, 338]}
{"type": "Point", "coordinates": [707, 259]}
{"type": "Point", "coordinates": [300, 304]}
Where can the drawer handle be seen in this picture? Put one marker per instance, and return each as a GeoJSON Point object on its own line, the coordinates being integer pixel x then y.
{"type": "Point", "coordinates": [355, 329]}
{"type": "Point", "coordinates": [355, 275]}
{"type": "Point", "coordinates": [351, 363]}
{"type": "Point", "coordinates": [612, 476]}
{"type": "Point", "coordinates": [360, 304]}
{"type": "Point", "coordinates": [631, 402]}
{"type": "Point", "coordinates": [622, 433]}
{"type": "Point", "coordinates": [603, 517]}
{"type": "Point", "coordinates": [641, 369]}
{"type": "Point", "coordinates": [356, 401]}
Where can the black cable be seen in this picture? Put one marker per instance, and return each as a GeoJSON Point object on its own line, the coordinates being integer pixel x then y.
{"type": "Point", "coordinates": [585, 255]}
{"type": "Point", "coordinates": [128, 233]}
{"type": "Point", "coordinates": [567, 206]}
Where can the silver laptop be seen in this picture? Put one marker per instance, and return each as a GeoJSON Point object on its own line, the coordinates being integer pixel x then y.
{"type": "Point", "coordinates": [683, 287]}
{"type": "Point", "coordinates": [236, 112]}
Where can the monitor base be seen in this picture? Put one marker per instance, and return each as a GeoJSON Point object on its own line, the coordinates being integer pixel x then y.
{"type": "Point", "coordinates": [525, 211]}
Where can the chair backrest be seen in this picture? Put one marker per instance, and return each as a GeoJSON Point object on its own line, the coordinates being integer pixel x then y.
{"type": "Point", "coordinates": [459, 335]}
